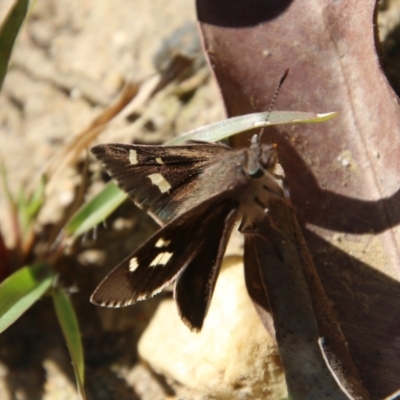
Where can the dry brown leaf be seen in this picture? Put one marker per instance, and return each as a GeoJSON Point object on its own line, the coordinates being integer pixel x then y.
{"type": "Point", "coordinates": [344, 175]}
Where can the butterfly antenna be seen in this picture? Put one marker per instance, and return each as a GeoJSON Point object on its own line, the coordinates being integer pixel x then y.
{"type": "Point", "coordinates": [271, 107]}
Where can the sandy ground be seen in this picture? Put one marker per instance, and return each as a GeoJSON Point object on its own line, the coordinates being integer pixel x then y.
{"type": "Point", "coordinates": [72, 59]}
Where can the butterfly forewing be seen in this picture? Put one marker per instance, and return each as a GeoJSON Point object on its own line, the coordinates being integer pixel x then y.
{"type": "Point", "coordinates": [159, 179]}
{"type": "Point", "coordinates": [198, 189]}
{"type": "Point", "coordinates": [159, 260]}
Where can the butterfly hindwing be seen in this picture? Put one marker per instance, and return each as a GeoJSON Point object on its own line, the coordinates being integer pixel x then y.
{"type": "Point", "coordinates": [162, 258]}
{"type": "Point", "coordinates": [159, 178]}
{"type": "Point", "coordinates": [195, 285]}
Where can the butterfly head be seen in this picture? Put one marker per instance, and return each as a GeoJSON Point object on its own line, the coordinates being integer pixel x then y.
{"type": "Point", "coordinates": [262, 159]}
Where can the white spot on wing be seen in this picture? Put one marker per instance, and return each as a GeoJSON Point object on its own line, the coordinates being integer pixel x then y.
{"type": "Point", "coordinates": [146, 296]}
{"type": "Point", "coordinates": [162, 243]}
{"type": "Point", "coordinates": [133, 264]}
{"type": "Point", "coordinates": [161, 259]}
{"type": "Point", "coordinates": [133, 157]}
{"type": "Point", "coordinates": [159, 161]}
{"type": "Point", "coordinates": [112, 304]}
{"type": "Point", "coordinates": [160, 182]}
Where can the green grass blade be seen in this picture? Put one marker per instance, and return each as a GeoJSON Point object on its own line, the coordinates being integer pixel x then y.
{"type": "Point", "coordinates": [232, 126]}
{"type": "Point", "coordinates": [36, 199]}
{"type": "Point", "coordinates": [29, 205]}
{"type": "Point", "coordinates": [8, 33]}
{"type": "Point", "coordinates": [21, 290]}
{"type": "Point", "coordinates": [70, 328]}
{"type": "Point", "coordinates": [96, 210]}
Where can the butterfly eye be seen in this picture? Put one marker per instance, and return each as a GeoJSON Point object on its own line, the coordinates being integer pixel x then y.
{"type": "Point", "coordinates": [256, 174]}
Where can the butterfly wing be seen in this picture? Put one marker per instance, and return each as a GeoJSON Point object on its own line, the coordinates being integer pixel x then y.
{"type": "Point", "coordinates": [191, 241]}
{"type": "Point", "coordinates": [195, 285]}
{"type": "Point", "coordinates": [159, 179]}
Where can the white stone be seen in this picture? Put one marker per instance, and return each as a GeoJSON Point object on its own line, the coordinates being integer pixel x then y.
{"type": "Point", "coordinates": [233, 357]}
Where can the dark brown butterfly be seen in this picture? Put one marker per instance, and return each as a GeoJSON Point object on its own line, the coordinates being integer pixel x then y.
{"type": "Point", "coordinates": [200, 189]}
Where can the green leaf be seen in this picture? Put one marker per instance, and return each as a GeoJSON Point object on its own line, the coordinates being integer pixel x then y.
{"type": "Point", "coordinates": [70, 328]}
{"type": "Point", "coordinates": [8, 33]}
{"type": "Point", "coordinates": [232, 126]}
{"type": "Point", "coordinates": [96, 210]}
{"type": "Point", "coordinates": [21, 290]}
